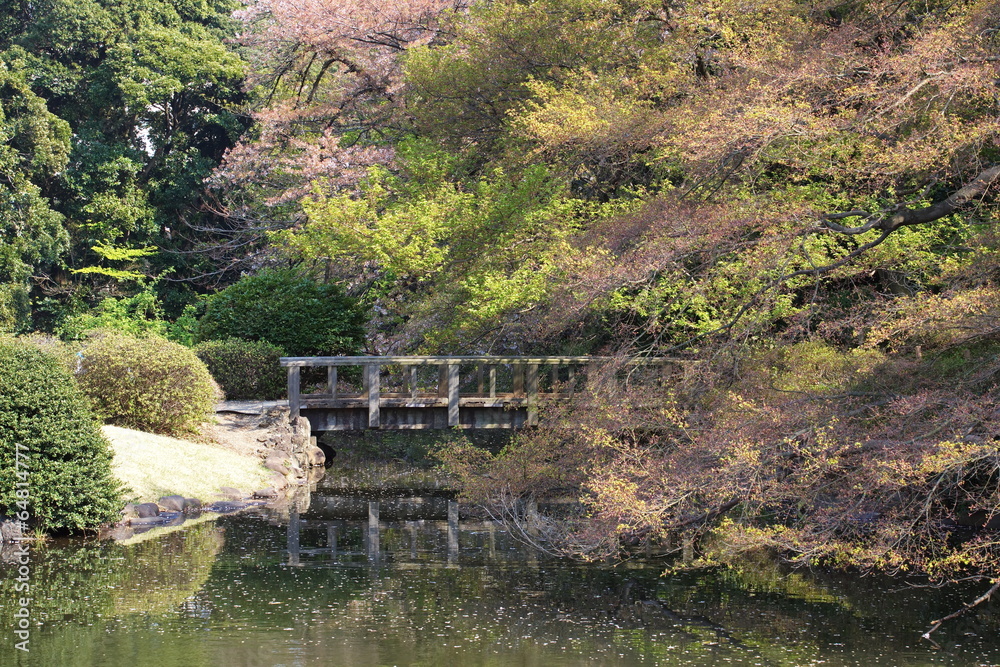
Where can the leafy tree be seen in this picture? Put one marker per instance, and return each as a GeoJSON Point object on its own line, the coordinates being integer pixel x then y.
{"type": "Point", "coordinates": [150, 95]}
{"type": "Point", "coordinates": [140, 314]}
{"type": "Point", "coordinates": [34, 148]}
{"type": "Point", "coordinates": [245, 369]}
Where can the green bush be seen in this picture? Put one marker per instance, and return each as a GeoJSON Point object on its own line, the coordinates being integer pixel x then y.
{"type": "Point", "coordinates": [286, 309]}
{"type": "Point", "coordinates": [141, 314]}
{"type": "Point", "coordinates": [149, 383]}
{"type": "Point", "coordinates": [44, 415]}
{"type": "Point", "coordinates": [244, 369]}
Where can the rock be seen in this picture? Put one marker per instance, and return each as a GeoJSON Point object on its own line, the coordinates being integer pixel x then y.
{"type": "Point", "coordinates": [146, 510]}
{"type": "Point", "coordinates": [192, 505]}
{"type": "Point", "coordinates": [278, 481]}
{"type": "Point", "coordinates": [172, 518]}
{"type": "Point", "coordinates": [278, 464]}
{"type": "Point", "coordinates": [172, 503]}
{"type": "Point", "coordinates": [129, 511]}
{"type": "Point", "coordinates": [224, 507]}
{"type": "Point", "coordinates": [120, 533]}
{"type": "Point", "coordinates": [148, 521]}
{"type": "Point", "coordinates": [229, 493]}
{"type": "Point", "coordinates": [314, 456]}
{"type": "Point", "coordinates": [8, 531]}
{"type": "Point", "coordinates": [265, 493]}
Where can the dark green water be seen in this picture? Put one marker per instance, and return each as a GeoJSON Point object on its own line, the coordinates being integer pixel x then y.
{"type": "Point", "coordinates": [228, 592]}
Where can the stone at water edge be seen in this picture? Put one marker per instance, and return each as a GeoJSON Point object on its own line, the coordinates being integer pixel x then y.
{"type": "Point", "coordinates": [315, 456]}
{"type": "Point", "coordinates": [265, 493]}
{"type": "Point", "coordinates": [223, 507]}
{"type": "Point", "coordinates": [278, 464]}
{"type": "Point", "coordinates": [192, 505]}
{"type": "Point", "coordinates": [278, 481]}
{"type": "Point", "coordinates": [230, 493]}
{"type": "Point", "coordinates": [172, 503]}
{"type": "Point", "coordinates": [9, 532]}
{"type": "Point", "coordinates": [146, 510]}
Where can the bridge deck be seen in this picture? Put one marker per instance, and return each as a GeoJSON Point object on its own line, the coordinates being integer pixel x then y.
{"type": "Point", "coordinates": [408, 392]}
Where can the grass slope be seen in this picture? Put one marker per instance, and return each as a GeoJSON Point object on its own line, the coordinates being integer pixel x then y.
{"type": "Point", "coordinates": [155, 465]}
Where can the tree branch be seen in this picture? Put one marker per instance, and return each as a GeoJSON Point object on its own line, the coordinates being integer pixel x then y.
{"type": "Point", "coordinates": [901, 216]}
{"type": "Point", "coordinates": [905, 217]}
{"type": "Point", "coordinates": [966, 607]}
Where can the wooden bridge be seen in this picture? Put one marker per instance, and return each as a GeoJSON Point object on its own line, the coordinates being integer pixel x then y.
{"type": "Point", "coordinates": [471, 392]}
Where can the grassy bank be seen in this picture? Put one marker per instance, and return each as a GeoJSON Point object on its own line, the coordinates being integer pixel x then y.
{"type": "Point", "coordinates": [154, 465]}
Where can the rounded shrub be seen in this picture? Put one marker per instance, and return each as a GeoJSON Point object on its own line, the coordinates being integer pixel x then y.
{"type": "Point", "coordinates": [66, 481]}
{"type": "Point", "coordinates": [289, 310]}
{"type": "Point", "coordinates": [150, 384]}
{"type": "Point", "coordinates": [245, 369]}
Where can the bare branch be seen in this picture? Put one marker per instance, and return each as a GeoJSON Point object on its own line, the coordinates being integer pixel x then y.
{"type": "Point", "coordinates": [965, 608]}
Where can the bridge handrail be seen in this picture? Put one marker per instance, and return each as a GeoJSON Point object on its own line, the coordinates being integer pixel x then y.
{"type": "Point", "coordinates": [525, 380]}
{"type": "Point", "coordinates": [462, 359]}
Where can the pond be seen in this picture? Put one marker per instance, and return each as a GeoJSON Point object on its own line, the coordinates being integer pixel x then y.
{"type": "Point", "coordinates": [312, 584]}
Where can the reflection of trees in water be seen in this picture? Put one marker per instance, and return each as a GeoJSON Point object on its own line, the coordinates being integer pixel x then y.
{"type": "Point", "coordinates": [256, 608]}
{"type": "Point", "coordinates": [77, 588]}
{"type": "Point", "coordinates": [86, 581]}
{"type": "Point", "coordinates": [760, 604]}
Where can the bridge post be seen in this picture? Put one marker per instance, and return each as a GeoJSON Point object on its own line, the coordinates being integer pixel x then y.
{"type": "Point", "coordinates": [293, 392]}
{"type": "Point", "coordinates": [372, 373]}
{"type": "Point", "coordinates": [518, 387]}
{"type": "Point", "coordinates": [452, 394]}
{"type": "Point", "coordinates": [532, 390]}
{"type": "Point", "coordinates": [373, 531]}
{"type": "Point", "coordinates": [442, 381]}
{"type": "Point", "coordinates": [293, 535]}
{"type": "Point", "coordinates": [452, 531]}
{"type": "Point", "coordinates": [331, 381]}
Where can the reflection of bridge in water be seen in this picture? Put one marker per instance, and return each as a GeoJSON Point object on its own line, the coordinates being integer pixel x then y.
{"type": "Point", "coordinates": [337, 537]}
{"type": "Point", "coordinates": [434, 392]}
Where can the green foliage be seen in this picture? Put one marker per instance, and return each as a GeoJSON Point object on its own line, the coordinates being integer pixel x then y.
{"type": "Point", "coordinates": [289, 310]}
{"type": "Point", "coordinates": [244, 369]}
{"type": "Point", "coordinates": [140, 314]}
{"type": "Point", "coordinates": [814, 367]}
{"type": "Point", "coordinates": [141, 98]}
{"type": "Point", "coordinates": [137, 315]}
{"type": "Point", "coordinates": [45, 423]}
{"type": "Point", "coordinates": [466, 88]}
{"type": "Point", "coordinates": [34, 147]}
{"type": "Point", "coordinates": [104, 579]}
{"type": "Point", "coordinates": [479, 250]}
{"type": "Point", "coordinates": [148, 383]}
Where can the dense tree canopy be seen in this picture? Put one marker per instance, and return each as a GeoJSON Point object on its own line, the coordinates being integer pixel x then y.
{"type": "Point", "coordinates": [776, 126]}
{"type": "Point", "coordinates": [143, 94]}
{"type": "Point", "coordinates": [797, 199]}
{"type": "Point", "coordinates": [35, 149]}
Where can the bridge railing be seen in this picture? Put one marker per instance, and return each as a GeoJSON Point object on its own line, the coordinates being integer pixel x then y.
{"type": "Point", "coordinates": [445, 381]}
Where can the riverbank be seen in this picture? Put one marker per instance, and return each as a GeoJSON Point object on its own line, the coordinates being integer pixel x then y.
{"type": "Point", "coordinates": [153, 466]}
